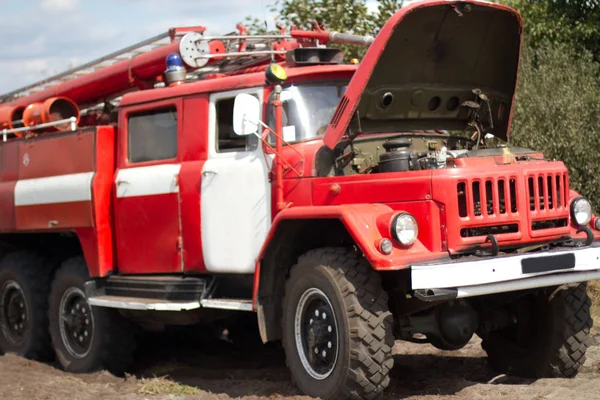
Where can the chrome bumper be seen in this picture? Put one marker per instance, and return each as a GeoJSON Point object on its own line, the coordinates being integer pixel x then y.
{"type": "Point", "coordinates": [506, 273]}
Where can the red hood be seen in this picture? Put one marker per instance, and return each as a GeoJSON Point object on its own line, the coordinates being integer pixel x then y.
{"type": "Point", "coordinates": [430, 56]}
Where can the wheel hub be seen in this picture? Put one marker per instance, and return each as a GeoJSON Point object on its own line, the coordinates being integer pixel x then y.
{"type": "Point", "coordinates": [316, 334]}
{"type": "Point", "coordinates": [77, 323]}
{"type": "Point", "coordinates": [14, 316]}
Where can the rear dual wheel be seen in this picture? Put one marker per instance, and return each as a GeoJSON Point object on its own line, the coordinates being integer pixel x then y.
{"type": "Point", "coordinates": [24, 288]}
{"type": "Point", "coordinates": [86, 338]}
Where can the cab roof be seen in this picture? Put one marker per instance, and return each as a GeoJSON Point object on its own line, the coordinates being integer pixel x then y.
{"type": "Point", "coordinates": [253, 78]}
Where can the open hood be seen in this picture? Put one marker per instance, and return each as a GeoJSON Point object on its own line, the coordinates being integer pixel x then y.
{"type": "Point", "coordinates": [422, 69]}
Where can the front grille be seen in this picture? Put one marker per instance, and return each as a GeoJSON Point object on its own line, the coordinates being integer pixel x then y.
{"type": "Point", "coordinates": [494, 196]}
{"type": "Point", "coordinates": [547, 192]}
{"type": "Point", "coordinates": [517, 204]}
{"type": "Point", "coordinates": [547, 196]}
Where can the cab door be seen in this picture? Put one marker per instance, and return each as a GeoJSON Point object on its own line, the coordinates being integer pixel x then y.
{"type": "Point", "coordinates": [236, 192]}
{"type": "Point", "coordinates": [147, 206]}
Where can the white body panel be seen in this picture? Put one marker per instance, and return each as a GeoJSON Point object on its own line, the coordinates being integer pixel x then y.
{"type": "Point", "coordinates": [148, 181]}
{"type": "Point", "coordinates": [235, 203]}
{"type": "Point", "coordinates": [54, 189]}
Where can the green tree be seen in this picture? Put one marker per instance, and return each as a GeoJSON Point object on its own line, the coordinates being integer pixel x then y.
{"type": "Point", "coordinates": [575, 22]}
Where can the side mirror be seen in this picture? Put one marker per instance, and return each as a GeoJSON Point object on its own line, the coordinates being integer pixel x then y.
{"type": "Point", "coordinates": [246, 114]}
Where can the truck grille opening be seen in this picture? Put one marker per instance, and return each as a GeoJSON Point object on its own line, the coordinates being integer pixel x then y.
{"type": "Point", "coordinates": [549, 224]}
{"type": "Point", "coordinates": [492, 197]}
{"type": "Point", "coordinates": [462, 199]}
{"type": "Point", "coordinates": [489, 230]}
{"type": "Point", "coordinates": [546, 192]}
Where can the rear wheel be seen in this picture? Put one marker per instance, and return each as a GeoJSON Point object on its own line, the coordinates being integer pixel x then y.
{"type": "Point", "coordinates": [86, 338]}
{"type": "Point", "coordinates": [337, 329]}
{"type": "Point", "coordinates": [24, 288]}
{"type": "Point", "coordinates": [549, 338]}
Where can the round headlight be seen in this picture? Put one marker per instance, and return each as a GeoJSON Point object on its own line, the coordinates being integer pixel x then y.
{"type": "Point", "coordinates": [405, 229]}
{"type": "Point", "coordinates": [581, 211]}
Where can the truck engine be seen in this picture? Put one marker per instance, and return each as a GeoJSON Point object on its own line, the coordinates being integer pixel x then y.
{"type": "Point", "coordinates": [415, 152]}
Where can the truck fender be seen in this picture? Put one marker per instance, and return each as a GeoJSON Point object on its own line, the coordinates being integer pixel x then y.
{"type": "Point", "coordinates": [299, 229]}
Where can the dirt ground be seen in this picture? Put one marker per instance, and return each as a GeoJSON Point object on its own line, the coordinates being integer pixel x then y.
{"type": "Point", "coordinates": [166, 368]}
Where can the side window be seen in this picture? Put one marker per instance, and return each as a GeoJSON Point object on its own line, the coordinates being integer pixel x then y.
{"type": "Point", "coordinates": [152, 135]}
{"type": "Point", "coordinates": [227, 140]}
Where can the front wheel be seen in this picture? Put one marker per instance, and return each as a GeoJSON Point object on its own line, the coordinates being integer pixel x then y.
{"type": "Point", "coordinates": [550, 335]}
{"type": "Point", "coordinates": [337, 329]}
{"type": "Point", "coordinates": [86, 338]}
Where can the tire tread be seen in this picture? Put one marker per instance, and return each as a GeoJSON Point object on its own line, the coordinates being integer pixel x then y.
{"type": "Point", "coordinates": [370, 321]}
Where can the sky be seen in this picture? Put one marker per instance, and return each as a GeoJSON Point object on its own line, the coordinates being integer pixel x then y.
{"type": "Point", "coordinates": [40, 38]}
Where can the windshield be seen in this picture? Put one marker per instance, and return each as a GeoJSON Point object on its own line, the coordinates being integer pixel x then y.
{"type": "Point", "coordinates": [307, 109]}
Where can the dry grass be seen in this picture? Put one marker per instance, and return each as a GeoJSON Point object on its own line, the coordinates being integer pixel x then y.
{"type": "Point", "coordinates": [164, 386]}
{"type": "Point", "coordinates": [594, 293]}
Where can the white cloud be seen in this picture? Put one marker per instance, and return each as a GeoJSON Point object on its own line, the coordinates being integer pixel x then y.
{"type": "Point", "coordinates": [56, 6]}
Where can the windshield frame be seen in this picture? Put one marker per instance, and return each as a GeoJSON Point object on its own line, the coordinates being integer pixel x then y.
{"type": "Point", "coordinates": [270, 115]}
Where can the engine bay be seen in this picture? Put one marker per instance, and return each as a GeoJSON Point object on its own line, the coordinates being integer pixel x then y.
{"type": "Point", "coordinates": [406, 152]}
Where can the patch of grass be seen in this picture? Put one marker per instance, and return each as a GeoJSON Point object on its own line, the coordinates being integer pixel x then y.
{"type": "Point", "coordinates": [594, 293]}
{"type": "Point", "coordinates": [164, 386]}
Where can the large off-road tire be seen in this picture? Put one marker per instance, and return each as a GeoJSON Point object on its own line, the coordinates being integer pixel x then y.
{"type": "Point", "coordinates": [337, 328]}
{"type": "Point", "coordinates": [86, 338]}
{"type": "Point", "coordinates": [550, 337]}
{"type": "Point", "coordinates": [24, 287]}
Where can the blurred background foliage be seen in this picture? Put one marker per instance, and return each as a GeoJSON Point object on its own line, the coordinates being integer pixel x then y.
{"type": "Point", "coordinates": [557, 108]}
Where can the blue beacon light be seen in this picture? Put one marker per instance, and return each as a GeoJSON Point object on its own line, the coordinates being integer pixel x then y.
{"type": "Point", "coordinates": [175, 72]}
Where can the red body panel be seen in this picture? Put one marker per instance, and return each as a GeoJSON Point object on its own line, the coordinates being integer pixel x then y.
{"type": "Point", "coordinates": [9, 156]}
{"type": "Point", "coordinates": [99, 243]}
{"type": "Point", "coordinates": [194, 150]}
{"type": "Point", "coordinates": [147, 239]}
{"type": "Point", "coordinates": [147, 226]}
{"type": "Point", "coordinates": [39, 161]}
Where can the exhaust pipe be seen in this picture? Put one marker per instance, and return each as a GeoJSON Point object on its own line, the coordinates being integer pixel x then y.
{"type": "Point", "coordinates": [53, 109]}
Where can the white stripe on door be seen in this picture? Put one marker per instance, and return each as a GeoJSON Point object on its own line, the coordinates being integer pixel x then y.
{"type": "Point", "coordinates": [148, 181]}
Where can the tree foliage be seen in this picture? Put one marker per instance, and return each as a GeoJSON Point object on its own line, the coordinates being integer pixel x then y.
{"type": "Point", "coordinates": [574, 22]}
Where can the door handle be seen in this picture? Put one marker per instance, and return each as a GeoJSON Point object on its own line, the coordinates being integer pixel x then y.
{"type": "Point", "coordinates": [121, 181]}
{"type": "Point", "coordinates": [209, 171]}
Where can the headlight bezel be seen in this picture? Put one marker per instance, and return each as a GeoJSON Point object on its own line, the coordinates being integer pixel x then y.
{"type": "Point", "coordinates": [573, 213]}
{"type": "Point", "coordinates": [394, 231]}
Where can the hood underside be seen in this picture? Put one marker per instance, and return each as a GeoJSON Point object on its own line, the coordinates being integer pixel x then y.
{"type": "Point", "coordinates": [427, 61]}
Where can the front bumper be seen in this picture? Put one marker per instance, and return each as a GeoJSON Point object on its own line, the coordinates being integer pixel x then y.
{"type": "Point", "coordinates": [505, 273]}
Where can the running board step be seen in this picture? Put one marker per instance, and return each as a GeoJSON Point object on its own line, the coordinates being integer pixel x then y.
{"type": "Point", "coordinates": [143, 304]}
{"type": "Point", "coordinates": [177, 289]}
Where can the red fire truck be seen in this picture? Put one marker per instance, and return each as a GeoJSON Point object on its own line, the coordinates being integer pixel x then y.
{"type": "Point", "coordinates": [193, 178]}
